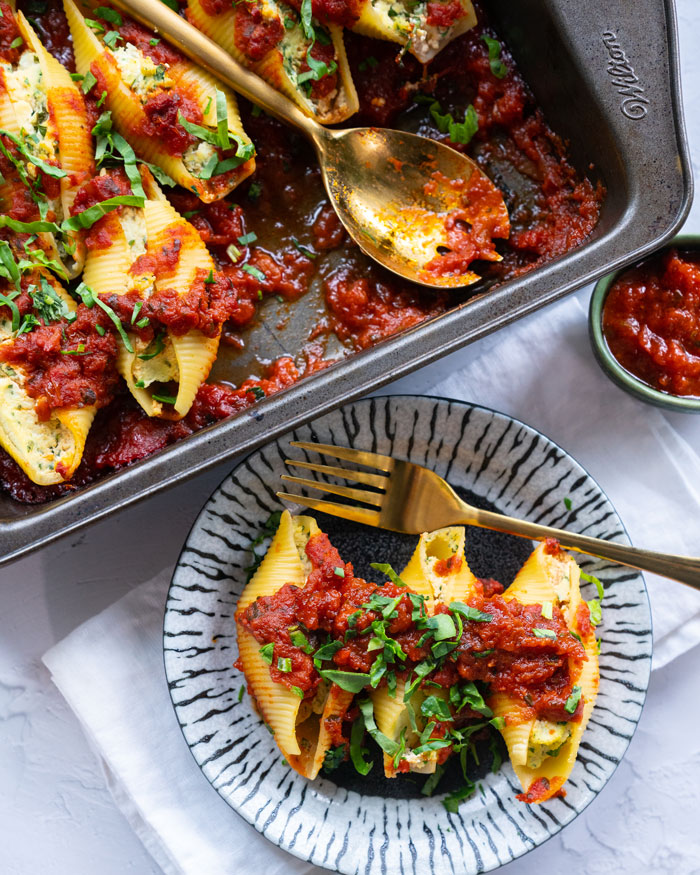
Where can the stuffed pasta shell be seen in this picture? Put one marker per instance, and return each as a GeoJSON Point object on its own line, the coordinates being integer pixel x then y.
{"type": "Point", "coordinates": [438, 568]}
{"type": "Point", "coordinates": [543, 747]}
{"type": "Point", "coordinates": [46, 141]}
{"type": "Point", "coordinates": [301, 725]}
{"type": "Point", "coordinates": [423, 28]}
{"type": "Point", "coordinates": [152, 265]}
{"type": "Point", "coordinates": [300, 57]}
{"type": "Point", "coordinates": [43, 434]}
{"type": "Point", "coordinates": [174, 114]}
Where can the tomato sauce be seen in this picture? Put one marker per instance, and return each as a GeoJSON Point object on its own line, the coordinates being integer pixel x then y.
{"type": "Point", "coordinates": [504, 652]}
{"type": "Point", "coordinates": [255, 33]}
{"type": "Point", "coordinates": [299, 244]}
{"type": "Point", "coordinates": [68, 364]}
{"type": "Point", "coordinates": [651, 322]}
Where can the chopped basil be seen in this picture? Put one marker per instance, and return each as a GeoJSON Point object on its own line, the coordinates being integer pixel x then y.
{"type": "Point", "coordinates": [266, 652]}
{"type": "Point", "coordinates": [16, 42]}
{"type": "Point", "coordinates": [298, 639]}
{"type": "Point", "coordinates": [385, 568]}
{"type": "Point", "coordinates": [48, 304]}
{"type": "Point", "coordinates": [468, 695]}
{"type": "Point", "coordinates": [433, 780]}
{"type": "Point", "coordinates": [158, 345]}
{"type": "Point", "coordinates": [284, 663]}
{"type": "Point", "coordinates": [110, 15]}
{"type": "Point", "coordinates": [95, 25]}
{"type": "Point", "coordinates": [48, 169]}
{"type": "Point", "coordinates": [479, 654]}
{"type": "Point", "coordinates": [171, 4]}
{"type": "Point", "coordinates": [257, 392]}
{"type": "Point", "coordinates": [441, 626]}
{"type": "Point", "coordinates": [573, 700]}
{"type": "Point", "coordinates": [154, 41]}
{"type": "Point", "coordinates": [498, 68]}
{"type": "Point", "coordinates": [254, 190]}
{"type": "Point", "coordinates": [453, 800]}
{"type": "Point", "coordinates": [88, 81]}
{"type": "Point", "coordinates": [339, 571]}
{"type": "Point", "coordinates": [357, 751]}
{"type": "Point", "coordinates": [309, 253]}
{"type": "Point", "coordinates": [164, 399]}
{"type": "Point", "coordinates": [88, 297]}
{"type": "Point", "coordinates": [250, 237]}
{"type": "Point", "coordinates": [350, 681]}
{"type": "Point", "coordinates": [433, 706]}
{"type": "Point", "coordinates": [333, 758]}
{"type": "Point", "coordinates": [545, 633]}
{"type": "Point", "coordinates": [327, 651]}
{"type": "Point", "coordinates": [388, 745]}
{"type": "Point", "coordinates": [567, 503]}
{"type": "Point", "coordinates": [596, 612]}
{"type": "Point", "coordinates": [254, 272]}
{"type": "Point", "coordinates": [459, 132]}
{"type": "Point", "coordinates": [9, 301]}
{"type": "Point", "coordinates": [547, 610]}
{"type": "Point", "coordinates": [297, 691]}
{"type": "Point", "coordinates": [241, 692]}
{"type": "Point", "coordinates": [591, 578]}
{"type": "Point", "coordinates": [470, 613]}
{"type": "Point", "coordinates": [88, 217]}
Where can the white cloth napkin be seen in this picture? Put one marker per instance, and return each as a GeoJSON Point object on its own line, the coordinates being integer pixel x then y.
{"type": "Point", "coordinates": [540, 370]}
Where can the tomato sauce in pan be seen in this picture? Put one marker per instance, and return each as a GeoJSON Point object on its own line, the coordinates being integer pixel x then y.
{"type": "Point", "coordinates": [297, 242]}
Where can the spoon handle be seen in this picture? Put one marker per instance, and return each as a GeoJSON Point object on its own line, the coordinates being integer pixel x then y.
{"type": "Point", "coordinates": [685, 569]}
{"type": "Point", "coordinates": [154, 14]}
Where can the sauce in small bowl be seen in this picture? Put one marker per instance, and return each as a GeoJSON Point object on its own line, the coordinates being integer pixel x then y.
{"type": "Point", "coordinates": [645, 326]}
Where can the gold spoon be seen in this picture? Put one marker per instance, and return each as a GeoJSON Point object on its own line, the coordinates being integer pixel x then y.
{"type": "Point", "coordinates": [394, 192]}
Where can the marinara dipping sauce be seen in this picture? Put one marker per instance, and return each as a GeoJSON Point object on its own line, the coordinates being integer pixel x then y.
{"type": "Point", "coordinates": [651, 321]}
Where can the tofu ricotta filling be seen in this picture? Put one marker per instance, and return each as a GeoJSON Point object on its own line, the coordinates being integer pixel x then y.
{"type": "Point", "coordinates": [140, 73]}
{"type": "Point", "coordinates": [295, 45]}
{"type": "Point", "coordinates": [546, 739]}
{"type": "Point", "coordinates": [163, 367]}
{"type": "Point", "coordinates": [42, 444]}
{"type": "Point", "coordinates": [197, 155]}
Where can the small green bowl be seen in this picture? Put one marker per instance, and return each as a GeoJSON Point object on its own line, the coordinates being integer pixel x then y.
{"type": "Point", "coordinates": [624, 379]}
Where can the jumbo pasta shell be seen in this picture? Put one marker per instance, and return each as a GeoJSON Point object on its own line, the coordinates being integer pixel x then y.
{"type": "Point", "coordinates": [438, 568]}
{"type": "Point", "coordinates": [130, 118]}
{"type": "Point", "coordinates": [399, 22]}
{"type": "Point", "coordinates": [548, 576]}
{"type": "Point", "coordinates": [392, 718]}
{"type": "Point", "coordinates": [296, 737]}
{"type": "Point", "coordinates": [328, 110]}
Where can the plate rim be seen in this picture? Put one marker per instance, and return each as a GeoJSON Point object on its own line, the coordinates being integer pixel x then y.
{"type": "Point", "coordinates": [390, 396]}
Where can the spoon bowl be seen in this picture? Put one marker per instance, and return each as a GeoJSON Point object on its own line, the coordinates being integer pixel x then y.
{"type": "Point", "coordinates": [420, 208]}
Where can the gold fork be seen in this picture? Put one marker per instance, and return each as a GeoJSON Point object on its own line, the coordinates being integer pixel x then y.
{"type": "Point", "coordinates": [412, 499]}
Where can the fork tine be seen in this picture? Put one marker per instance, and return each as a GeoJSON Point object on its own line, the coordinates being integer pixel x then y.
{"type": "Point", "coordinates": [346, 511]}
{"type": "Point", "coordinates": [363, 495]}
{"type": "Point", "coordinates": [378, 480]}
{"type": "Point", "coordinates": [360, 457]}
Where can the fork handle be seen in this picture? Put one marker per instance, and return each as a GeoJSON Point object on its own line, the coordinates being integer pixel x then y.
{"type": "Point", "coordinates": [685, 569]}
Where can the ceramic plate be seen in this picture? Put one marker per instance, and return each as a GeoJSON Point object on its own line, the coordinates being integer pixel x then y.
{"type": "Point", "coordinates": [374, 825]}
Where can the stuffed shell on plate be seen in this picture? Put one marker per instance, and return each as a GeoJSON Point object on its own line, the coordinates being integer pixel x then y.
{"type": "Point", "coordinates": [423, 662]}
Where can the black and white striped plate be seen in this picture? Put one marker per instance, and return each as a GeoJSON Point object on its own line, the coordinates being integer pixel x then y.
{"type": "Point", "coordinates": [377, 826]}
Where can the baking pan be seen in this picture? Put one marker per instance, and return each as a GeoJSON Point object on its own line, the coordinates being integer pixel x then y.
{"type": "Point", "coordinates": [606, 75]}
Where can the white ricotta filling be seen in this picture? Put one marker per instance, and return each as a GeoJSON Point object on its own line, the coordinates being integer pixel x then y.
{"type": "Point", "coordinates": [42, 444]}
{"type": "Point", "coordinates": [140, 73]}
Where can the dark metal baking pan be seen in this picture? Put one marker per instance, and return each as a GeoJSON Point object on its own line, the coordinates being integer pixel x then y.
{"type": "Point", "coordinates": [606, 74]}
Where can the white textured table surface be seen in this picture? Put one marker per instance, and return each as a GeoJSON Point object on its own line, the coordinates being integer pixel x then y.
{"type": "Point", "coordinates": [57, 818]}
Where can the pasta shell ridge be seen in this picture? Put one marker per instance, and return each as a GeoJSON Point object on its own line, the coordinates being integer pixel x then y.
{"type": "Point", "coordinates": [278, 705]}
